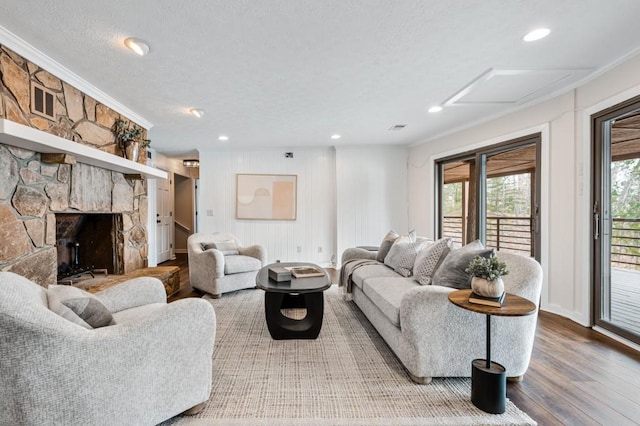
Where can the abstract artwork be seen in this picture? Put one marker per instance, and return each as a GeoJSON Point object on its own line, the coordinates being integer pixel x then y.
{"type": "Point", "coordinates": [266, 197]}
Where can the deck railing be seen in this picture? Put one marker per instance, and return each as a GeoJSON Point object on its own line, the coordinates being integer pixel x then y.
{"type": "Point", "coordinates": [625, 243]}
{"type": "Point", "coordinates": [513, 234]}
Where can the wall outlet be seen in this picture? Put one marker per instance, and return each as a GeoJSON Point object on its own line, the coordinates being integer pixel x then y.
{"type": "Point", "coordinates": [319, 249]}
{"type": "Point", "coordinates": [210, 212]}
{"type": "Point", "coordinates": [299, 248]}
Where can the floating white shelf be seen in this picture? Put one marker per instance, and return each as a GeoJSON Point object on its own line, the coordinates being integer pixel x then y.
{"type": "Point", "coordinates": [21, 136]}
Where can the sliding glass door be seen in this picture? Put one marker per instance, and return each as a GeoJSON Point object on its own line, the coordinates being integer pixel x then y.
{"type": "Point", "coordinates": [616, 220]}
{"type": "Point", "coordinates": [493, 195]}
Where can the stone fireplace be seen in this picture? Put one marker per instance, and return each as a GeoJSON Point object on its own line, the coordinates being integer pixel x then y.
{"type": "Point", "coordinates": [37, 192]}
{"type": "Point", "coordinates": [34, 192]}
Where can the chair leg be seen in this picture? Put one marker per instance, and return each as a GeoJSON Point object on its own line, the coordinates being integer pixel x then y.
{"type": "Point", "coordinates": [195, 409]}
{"type": "Point", "coordinates": [515, 379]}
{"type": "Point", "coordinates": [216, 296]}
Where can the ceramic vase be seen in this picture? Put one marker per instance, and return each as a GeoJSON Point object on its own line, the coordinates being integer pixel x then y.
{"type": "Point", "coordinates": [487, 288]}
{"type": "Point", "coordinates": [132, 150]}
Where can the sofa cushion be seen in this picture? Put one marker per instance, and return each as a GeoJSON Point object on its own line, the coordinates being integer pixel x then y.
{"type": "Point", "coordinates": [451, 272]}
{"type": "Point", "coordinates": [387, 293]}
{"type": "Point", "coordinates": [429, 258]}
{"type": "Point", "coordinates": [238, 264]}
{"type": "Point", "coordinates": [372, 271]}
{"type": "Point", "coordinates": [403, 254]}
{"type": "Point", "coordinates": [73, 304]}
{"type": "Point", "coordinates": [386, 244]}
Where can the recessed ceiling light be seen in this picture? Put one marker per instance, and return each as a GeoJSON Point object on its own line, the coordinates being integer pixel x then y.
{"type": "Point", "coordinates": [223, 138]}
{"type": "Point", "coordinates": [137, 45]}
{"type": "Point", "coordinates": [536, 34]}
{"type": "Point", "coordinates": [197, 112]}
{"type": "Point", "coordinates": [336, 136]}
{"type": "Point", "coordinates": [436, 108]}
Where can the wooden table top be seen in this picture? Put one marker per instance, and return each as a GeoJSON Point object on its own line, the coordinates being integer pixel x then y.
{"type": "Point", "coordinates": [513, 305]}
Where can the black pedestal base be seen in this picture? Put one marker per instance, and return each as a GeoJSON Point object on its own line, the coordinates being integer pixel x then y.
{"type": "Point", "coordinates": [488, 386]}
{"type": "Point", "coordinates": [282, 327]}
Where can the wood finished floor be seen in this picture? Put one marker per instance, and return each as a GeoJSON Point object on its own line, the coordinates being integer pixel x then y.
{"type": "Point", "coordinates": [576, 377]}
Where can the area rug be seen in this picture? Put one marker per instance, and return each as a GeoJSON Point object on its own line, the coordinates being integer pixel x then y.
{"type": "Point", "coordinates": [348, 376]}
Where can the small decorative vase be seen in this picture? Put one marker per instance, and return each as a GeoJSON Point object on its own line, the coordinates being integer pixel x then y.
{"type": "Point", "coordinates": [487, 288]}
{"type": "Point", "coordinates": [132, 150]}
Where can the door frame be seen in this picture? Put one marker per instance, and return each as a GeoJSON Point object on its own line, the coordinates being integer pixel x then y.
{"type": "Point", "coordinates": [545, 131]}
{"type": "Point", "coordinates": [477, 155]}
{"type": "Point", "coordinates": [596, 242]}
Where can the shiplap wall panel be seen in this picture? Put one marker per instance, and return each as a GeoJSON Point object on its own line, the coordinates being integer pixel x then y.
{"type": "Point", "coordinates": [315, 225]}
{"type": "Point", "coordinates": [371, 194]}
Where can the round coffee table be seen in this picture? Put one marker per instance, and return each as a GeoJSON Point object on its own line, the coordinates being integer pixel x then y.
{"type": "Point", "coordinates": [489, 379]}
{"type": "Point", "coordinates": [299, 293]}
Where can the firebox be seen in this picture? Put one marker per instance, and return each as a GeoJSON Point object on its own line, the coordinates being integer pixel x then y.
{"type": "Point", "coordinates": [89, 241]}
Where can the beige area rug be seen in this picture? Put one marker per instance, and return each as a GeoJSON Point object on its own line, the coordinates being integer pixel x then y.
{"type": "Point", "coordinates": [348, 376]}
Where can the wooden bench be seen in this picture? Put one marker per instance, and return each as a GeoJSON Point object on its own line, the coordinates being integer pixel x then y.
{"type": "Point", "coordinates": [169, 275]}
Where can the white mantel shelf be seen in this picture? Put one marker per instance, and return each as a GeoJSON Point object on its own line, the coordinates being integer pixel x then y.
{"type": "Point", "coordinates": [21, 136]}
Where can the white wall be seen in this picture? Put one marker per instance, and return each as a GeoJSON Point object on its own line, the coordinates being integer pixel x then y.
{"type": "Point", "coordinates": [564, 122]}
{"type": "Point", "coordinates": [314, 229]}
{"type": "Point", "coordinates": [371, 194]}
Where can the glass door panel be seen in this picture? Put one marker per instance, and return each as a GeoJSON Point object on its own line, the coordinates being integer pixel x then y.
{"type": "Point", "coordinates": [455, 201]}
{"type": "Point", "coordinates": [509, 194]}
{"type": "Point", "coordinates": [617, 223]}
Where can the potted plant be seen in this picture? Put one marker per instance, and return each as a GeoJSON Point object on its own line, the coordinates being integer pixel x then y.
{"type": "Point", "coordinates": [129, 139]}
{"type": "Point", "coordinates": [487, 275]}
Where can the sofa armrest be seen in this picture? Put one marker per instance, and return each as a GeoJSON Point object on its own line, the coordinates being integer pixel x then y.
{"type": "Point", "coordinates": [207, 263]}
{"type": "Point", "coordinates": [357, 253]}
{"type": "Point", "coordinates": [132, 293]}
{"type": "Point", "coordinates": [138, 367]}
{"type": "Point", "coordinates": [256, 251]}
{"type": "Point", "coordinates": [442, 333]}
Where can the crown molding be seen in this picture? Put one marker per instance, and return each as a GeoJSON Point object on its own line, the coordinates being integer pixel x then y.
{"type": "Point", "coordinates": [30, 53]}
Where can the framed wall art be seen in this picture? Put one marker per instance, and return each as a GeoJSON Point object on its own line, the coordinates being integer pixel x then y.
{"type": "Point", "coordinates": [266, 197]}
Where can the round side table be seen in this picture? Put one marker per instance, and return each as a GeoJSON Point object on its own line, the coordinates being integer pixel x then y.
{"type": "Point", "coordinates": [489, 379]}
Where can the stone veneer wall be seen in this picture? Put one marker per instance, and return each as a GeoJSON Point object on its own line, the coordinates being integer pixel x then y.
{"type": "Point", "coordinates": [31, 192]}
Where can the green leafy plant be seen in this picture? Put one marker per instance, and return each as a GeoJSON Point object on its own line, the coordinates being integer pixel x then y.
{"type": "Point", "coordinates": [127, 133]}
{"type": "Point", "coordinates": [488, 268]}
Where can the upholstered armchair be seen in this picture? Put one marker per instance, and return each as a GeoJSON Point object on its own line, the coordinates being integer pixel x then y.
{"type": "Point", "coordinates": [218, 263]}
{"type": "Point", "coordinates": [148, 362]}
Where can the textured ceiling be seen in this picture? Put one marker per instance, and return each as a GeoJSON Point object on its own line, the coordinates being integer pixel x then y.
{"type": "Point", "coordinates": [293, 72]}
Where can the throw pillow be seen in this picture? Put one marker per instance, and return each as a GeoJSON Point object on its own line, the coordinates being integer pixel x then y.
{"type": "Point", "coordinates": [428, 260]}
{"type": "Point", "coordinates": [402, 255]}
{"type": "Point", "coordinates": [207, 246]}
{"type": "Point", "coordinates": [91, 310]}
{"type": "Point", "coordinates": [386, 244]}
{"type": "Point", "coordinates": [228, 248]}
{"type": "Point", "coordinates": [78, 306]}
{"type": "Point", "coordinates": [451, 272]}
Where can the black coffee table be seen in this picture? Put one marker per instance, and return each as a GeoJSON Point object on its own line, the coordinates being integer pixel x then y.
{"type": "Point", "coordinates": [300, 293]}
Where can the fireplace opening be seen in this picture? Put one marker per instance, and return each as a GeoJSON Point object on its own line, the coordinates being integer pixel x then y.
{"type": "Point", "coordinates": [87, 243]}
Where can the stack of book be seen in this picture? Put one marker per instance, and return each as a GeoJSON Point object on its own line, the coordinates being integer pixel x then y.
{"type": "Point", "coordinates": [487, 301]}
{"type": "Point", "coordinates": [304, 271]}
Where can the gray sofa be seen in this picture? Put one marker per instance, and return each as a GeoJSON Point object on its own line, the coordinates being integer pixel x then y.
{"type": "Point", "coordinates": [150, 361]}
{"type": "Point", "coordinates": [214, 272]}
{"type": "Point", "coordinates": [431, 336]}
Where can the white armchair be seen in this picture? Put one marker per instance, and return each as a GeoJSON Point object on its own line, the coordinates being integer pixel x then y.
{"type": "Point", "coordinates": [153, 362]}
{"type": "Point", "coordinates": [214, 272]}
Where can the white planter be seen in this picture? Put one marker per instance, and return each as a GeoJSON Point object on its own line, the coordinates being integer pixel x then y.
{"type": "Point", "coordinates": [487, 288]}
